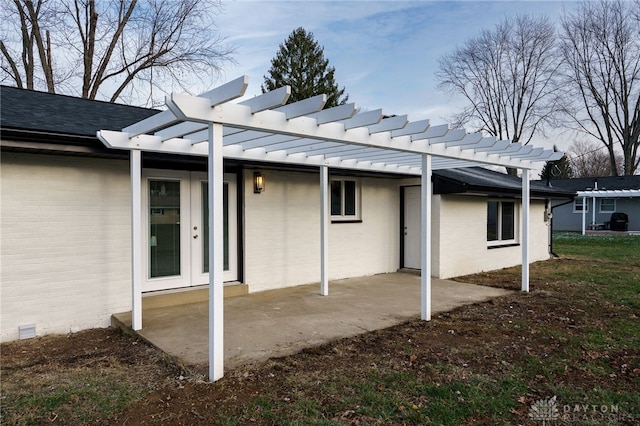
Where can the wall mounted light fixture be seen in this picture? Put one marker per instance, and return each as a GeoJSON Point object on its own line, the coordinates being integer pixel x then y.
{"type": "Point", "coordinates": [258, 183]}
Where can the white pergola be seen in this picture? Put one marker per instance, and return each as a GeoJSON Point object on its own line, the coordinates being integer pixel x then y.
{"type": "Point", "coordinates": [602, 193]}
{"type": "Point", "coordinates": [266, 129]}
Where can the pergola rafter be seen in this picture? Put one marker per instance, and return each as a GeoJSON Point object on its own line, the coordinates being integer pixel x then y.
{"type": "Point", "coordinates": [265, 121]}
{"type": "Point", "coordinates": [266, 129]}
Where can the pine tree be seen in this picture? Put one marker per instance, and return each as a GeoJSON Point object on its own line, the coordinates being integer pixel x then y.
{"type": "Point", "coordinates": [300, 63]}
{"type": "Point", "coordinates": [560, 169]}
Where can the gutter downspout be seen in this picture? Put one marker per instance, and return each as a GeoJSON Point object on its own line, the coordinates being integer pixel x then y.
{"type": "Point", "coordinates": [551, 225]}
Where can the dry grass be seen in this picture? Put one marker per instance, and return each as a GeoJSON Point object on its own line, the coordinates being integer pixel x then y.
{"type": "Point", "coordinates": [575, 336]}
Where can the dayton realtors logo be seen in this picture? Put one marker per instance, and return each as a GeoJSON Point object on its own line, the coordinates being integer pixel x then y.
{"type": "Point", "coordinates": [547, 410]}
{"type": "Point", "coordinates": [544, 410]}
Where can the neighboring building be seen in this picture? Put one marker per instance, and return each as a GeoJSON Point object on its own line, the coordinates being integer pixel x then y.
{"type": "Point", "coordinates": [599, 197]}
{"type": "Point", "coordinates": [67, 202]}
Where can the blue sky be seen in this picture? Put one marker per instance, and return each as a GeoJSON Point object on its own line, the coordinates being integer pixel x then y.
{"type": "Point", "coordinates": [385, 53]}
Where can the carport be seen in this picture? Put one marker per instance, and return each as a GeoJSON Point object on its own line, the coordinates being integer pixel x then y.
{"type": "Point", "coordinates": [266, 129]}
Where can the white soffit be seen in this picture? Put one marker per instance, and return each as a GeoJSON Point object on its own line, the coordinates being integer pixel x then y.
{"type": "Point", "coordinates": [611, 193]}
{"type": "Point", "coordinates": [265, 128]}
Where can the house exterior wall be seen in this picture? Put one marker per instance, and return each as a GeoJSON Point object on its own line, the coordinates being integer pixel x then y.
{"type": "Point", "coordinates": [66, 243]}
{"type": "Point", "coordinates": [282, 232]}
{"type": "Point", "coordinates": [566, 219]}
{"type": "Point", "coordinates": [462, 227]}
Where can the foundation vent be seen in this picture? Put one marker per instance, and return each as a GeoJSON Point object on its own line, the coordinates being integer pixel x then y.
{"type": "Point", "coordinates": [26, 331]}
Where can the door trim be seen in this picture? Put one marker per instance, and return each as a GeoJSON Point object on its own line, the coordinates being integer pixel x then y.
{"type": "Point", "coordinates": [190, 197]}
{"type": "Point", "coordinates": [177, 281]}
{"type": "Point", "coordinates": [201, 278]}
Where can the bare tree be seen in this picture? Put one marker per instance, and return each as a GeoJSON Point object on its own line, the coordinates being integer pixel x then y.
{"type": "Point", "coordinates": [109, 49]}
{"type": "Point", "coordinates": [29, 17]}
{"type": "Point", "coordinates": [507, 76]}
{"type": "Point", "coordinates": [590, 159]}
{"type": "Point", "coordinates": [601, 47]}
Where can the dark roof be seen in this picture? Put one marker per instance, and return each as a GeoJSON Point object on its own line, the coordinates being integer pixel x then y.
{"type": "Point", "coordinates": [602, 183]}
{"type": "Point", "coordinates": [32, 111]}
{"type": "Point", "coordinates": [481, 181]}
{"type": "Point", "coordinates": [56, 122]}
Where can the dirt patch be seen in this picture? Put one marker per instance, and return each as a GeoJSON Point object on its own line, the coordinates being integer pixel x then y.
{"type": "Point", "coordinates": [73, 378]}
{"type": "Point", "coordinates": [480, 364]}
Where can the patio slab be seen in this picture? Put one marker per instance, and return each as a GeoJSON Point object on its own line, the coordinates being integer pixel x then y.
{"type": "Point", "coordinates": [281, 322]}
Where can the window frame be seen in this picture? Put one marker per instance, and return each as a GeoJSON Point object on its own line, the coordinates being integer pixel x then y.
{"type": "Point", "coordinates": [577, 205]}
{"type": "Point", "coordinates": [344, 217]}
{"type": "Point", "coordinates": [607, 211]}
{"type": "Point", "coordinates": [499, 241]}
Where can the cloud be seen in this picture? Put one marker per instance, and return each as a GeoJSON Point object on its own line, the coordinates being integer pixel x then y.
{"type": "Point", "coordinates": [385, 52]}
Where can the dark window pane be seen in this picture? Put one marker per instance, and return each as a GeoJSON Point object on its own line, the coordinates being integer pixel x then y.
{"type": "Point", "coordinates": [508, 221]}
{"type": "Point", "coordinates": [164, 228]}
{"type": "Point", "coordinates": [225, 229]}
{"type": "Point", "coordinates": [205, 226]}
{"type": "Point", "coordinates": [349, 198]}
{"type": "Point", "coordinates": [492, 220]}
{"type": "Point", "coordinates": [336, 198]}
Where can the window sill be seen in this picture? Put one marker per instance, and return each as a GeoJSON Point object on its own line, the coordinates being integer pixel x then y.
{"type": "Point", "coordinates": [502, 245]}
{"type": "Point", "coordinates": [346, 220]}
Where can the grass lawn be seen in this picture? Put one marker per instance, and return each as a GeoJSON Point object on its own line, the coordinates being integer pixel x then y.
{"type": "Point", "coordinates": [574, 338]}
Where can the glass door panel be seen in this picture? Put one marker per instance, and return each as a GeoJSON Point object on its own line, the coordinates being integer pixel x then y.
{"type": "Point", "coordinates": [200, 219]}
{"type": "Point", "coordinates": [164, 228]}
{"type": "Point", "coordinates": [205, 226]}
{"type": "Point", "coordinates": [176, 228]}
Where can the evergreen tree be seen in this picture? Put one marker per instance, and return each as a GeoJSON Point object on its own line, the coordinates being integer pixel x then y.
{"type": "Point", "coordinates": [300, 63]}
{"type": "Point", "coordinates": [560, 169]}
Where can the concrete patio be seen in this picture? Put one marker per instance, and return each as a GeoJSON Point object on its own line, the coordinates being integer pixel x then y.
{"type": "Point", "coordinates": [281, 322]}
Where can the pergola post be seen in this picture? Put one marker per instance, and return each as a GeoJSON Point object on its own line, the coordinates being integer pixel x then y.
{"type": "Point", "coordinates": [526, 196]}
{"type": "Point", "coordinates": [584, 215]}
{"type": "Point", "coordinates": [324, 230]}
{"type": "Point", "coordinates": [136, 238]}
{"type": "Point", "coordinates": [425, 238]}
{"type": "Point", "coordinates": [216, 251]}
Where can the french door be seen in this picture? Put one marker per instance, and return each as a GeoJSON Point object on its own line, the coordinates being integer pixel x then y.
{"type": "Point", "coordinates": [412, 227]}
{"type": "Point", "coordinates": [175, 226]}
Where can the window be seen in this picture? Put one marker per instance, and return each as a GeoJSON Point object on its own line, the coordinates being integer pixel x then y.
{"type": "Point", "coordinates": [607, 205]}
{"type": "Point", "coordinates": [501, 221]}
{"type": "Point", "coordinates": [345, 200]}
{"type": "Point", "coordinates": [577, 205]}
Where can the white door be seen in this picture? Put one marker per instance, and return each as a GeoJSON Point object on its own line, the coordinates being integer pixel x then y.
{"type": "Point", "coordinates": [176, 229]}
{"type": "Point", "coordinates": [412, 227]}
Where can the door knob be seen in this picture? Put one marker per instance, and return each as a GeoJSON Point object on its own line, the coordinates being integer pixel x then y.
{"type": "Point", "coordinates": [195, 236]}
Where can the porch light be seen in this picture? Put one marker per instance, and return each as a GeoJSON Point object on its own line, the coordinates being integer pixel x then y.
{"type": "Point", "coordinates": [258, 183]}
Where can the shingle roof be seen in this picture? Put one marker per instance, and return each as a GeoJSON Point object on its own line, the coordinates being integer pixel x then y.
{"type": "Point", "coordinates": [32, 111]}
{"type": "Point", "coordinates": [29, 110]}
{"type": "Point", "coordinates": [601, 183]}
{"type": "Point", "coordinates": [484, 181]}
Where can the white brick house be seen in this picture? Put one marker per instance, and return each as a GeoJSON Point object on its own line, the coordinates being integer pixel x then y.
{"type": "Point", "coordinates": [66, 222]}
